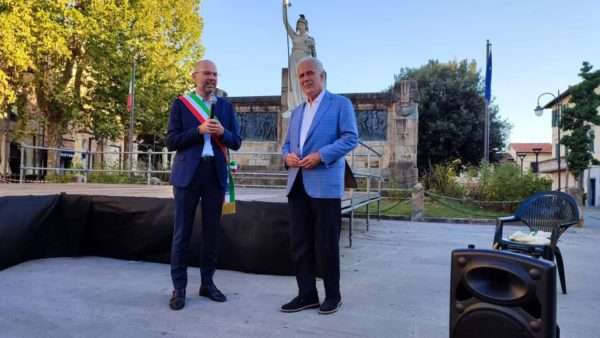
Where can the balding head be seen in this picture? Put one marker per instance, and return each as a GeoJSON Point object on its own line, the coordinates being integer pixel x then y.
{"type": "Point", "coordinates": [205, 78]}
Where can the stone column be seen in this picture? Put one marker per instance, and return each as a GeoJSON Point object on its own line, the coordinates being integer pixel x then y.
{"type": "Point", "coordinates": [404, 134]}
{"type": "Point", "coordinates": [417, 204]}
{"type": "Point", "coordinates": [283, 117]}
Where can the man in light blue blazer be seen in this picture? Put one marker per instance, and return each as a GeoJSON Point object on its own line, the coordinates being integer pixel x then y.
{"type": "Point", "coordinates": [321, 132]}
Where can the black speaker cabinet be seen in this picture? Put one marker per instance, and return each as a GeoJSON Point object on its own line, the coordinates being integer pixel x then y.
{"type": "Point", "coordinates": [499, 294]}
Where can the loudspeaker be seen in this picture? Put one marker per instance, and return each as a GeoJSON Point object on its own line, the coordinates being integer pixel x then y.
{"type": "Point", "coordinates": [499, 294]}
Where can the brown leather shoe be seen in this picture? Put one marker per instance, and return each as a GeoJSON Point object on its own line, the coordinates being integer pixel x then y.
{"type": "Point", "coordinates": [177, 301]}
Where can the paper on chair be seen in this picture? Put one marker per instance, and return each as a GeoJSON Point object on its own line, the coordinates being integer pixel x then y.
{"type": "Point", "coordinates": [536, 238]}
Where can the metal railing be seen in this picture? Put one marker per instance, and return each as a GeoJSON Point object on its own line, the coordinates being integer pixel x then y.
{"type": "Point", "coordinates": [89, 161]}
{"type": "Point", "coordinates": [269, 163]}
{"type": "Point", "coordinates": [368, 174]}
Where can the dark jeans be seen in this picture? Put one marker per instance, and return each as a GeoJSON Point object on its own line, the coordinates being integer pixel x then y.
{"type": "Point", "coordinates": [204, 187]}
{"type": "Point", "coordinates": [315, 234]}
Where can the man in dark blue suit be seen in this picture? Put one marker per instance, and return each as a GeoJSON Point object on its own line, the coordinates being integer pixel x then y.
{"type": "Point", "coordinates": [201, 128]}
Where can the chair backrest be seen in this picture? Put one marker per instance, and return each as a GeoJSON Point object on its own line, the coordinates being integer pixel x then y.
{"type": "Point", "coordinates": [548, 211]}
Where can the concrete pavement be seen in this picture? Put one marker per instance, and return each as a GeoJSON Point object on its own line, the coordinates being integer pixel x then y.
{"type": "Point", "coordinates": [395, 283]}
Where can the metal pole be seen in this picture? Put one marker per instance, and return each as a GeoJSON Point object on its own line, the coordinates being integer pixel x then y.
{"type": "Point", "coordinates": [22, 171]}
{"type": "Point", "coordinates": [486, 123]}
{"type": "Point", "coordinates": [6, 144]}
{"type": "Point", "coordinates": [131, 116]}
{"type": "Point", "coordinates": [87, 166]}
{"type": "Point", "coordinates": [558, 143]}
{"type": "Point", "coordinates": [486, 131]}
{"type": "Point", "coordinates": [149, 169]}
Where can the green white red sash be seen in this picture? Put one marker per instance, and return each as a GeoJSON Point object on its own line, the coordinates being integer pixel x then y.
{"type": "Point", "coordinates": [202, 112]}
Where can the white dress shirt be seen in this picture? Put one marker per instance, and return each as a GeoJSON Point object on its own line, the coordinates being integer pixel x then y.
{"type": "Point", "coordinates": [310, 109]}
{"type": "Point", "coordinates": [207, 150]}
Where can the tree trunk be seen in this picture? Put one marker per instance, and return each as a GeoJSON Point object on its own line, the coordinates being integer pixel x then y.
{"type": "Point", "coordinates": [54, 141]}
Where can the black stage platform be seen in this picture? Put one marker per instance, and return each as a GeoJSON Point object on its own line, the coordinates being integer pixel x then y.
{"type": "Point", "coordinates": [101, 220]}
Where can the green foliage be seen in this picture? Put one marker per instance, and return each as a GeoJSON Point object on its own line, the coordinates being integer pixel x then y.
{"type": "Point", "coordinates": [115, 178]}
{"type": "Point", "coordinates": [77, 57]}
{"type": "Point", "coordinates": [506, 183]}
{"type": "Point", "coordinates": [68, 177]}
{"type": "Point", "coordinates": [577, 118]}
{"type": "Point", "coordinates": [443, 180]}
{"type": "Point", "coordinates": [489, 183]}
{"type": "Point", "coordinates": [451, 113]}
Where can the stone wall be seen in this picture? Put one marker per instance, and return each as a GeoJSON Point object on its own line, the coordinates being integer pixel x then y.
{"type": "Point", "coordinates": [387, 121]}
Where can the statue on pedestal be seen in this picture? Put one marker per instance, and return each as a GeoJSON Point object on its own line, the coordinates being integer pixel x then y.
{"type": "Point", "coordinates": [303, 45]}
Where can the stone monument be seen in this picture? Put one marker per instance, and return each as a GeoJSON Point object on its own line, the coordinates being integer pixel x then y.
{"type": "Point", "coordinates": [303, 45]}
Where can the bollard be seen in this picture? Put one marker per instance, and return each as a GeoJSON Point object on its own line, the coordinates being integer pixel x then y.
{"type": "Point", "coordinates": [417, 203]}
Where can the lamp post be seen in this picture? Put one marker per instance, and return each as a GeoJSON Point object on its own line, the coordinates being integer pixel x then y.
{"type": "Point", "coordinates": [539, 111]}
{"type": "Point", "coordinates": [522, 157]}
{"type": "Point", "coordinates": [6, 117]}
{"type": "Point", "coordinates": [537, 162]}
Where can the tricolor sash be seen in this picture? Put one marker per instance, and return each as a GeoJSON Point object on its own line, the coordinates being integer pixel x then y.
{"type": "Point", "coordinates": [202, 112]}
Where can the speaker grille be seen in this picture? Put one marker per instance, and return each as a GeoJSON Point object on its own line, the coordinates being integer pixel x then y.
{"type": "Point", "coordinates": [490, 323]}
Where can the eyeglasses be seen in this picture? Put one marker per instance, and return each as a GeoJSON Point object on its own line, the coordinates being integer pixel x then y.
{"type": "Point", "coordinates": [206, 73]}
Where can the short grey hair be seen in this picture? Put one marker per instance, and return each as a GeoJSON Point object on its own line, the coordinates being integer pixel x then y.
{"type": "Point", "coordinates": [316, 62]}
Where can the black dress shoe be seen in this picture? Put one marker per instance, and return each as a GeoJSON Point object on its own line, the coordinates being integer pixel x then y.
{"type": "Point", "coordinates": [211, 291]}
{"type": "Point", "coordinates": [330, 305]}
{"type": "Point", "coordinates": [177, 301]}
{"type": "Point", "coordinates": [299, 304]}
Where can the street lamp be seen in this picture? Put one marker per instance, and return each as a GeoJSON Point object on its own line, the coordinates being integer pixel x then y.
{"type": "Point", "coordinates": [537, 163]}
{"type": "Point", "coordinates": [522, 156]}
{"type": "Point", "coordinates": [539, 111]}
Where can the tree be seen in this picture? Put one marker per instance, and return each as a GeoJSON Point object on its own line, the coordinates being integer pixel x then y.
{"type": "Point", "coordinates": [164, 48]}
{"type": "Point", "coordinates": [14, 45]}
{"type": "Point", "coordinates": [577, 119]}
{"type": "Point", "coordinates": [451, 113]}
{"type": "Point", "coordinates": [79, 55]}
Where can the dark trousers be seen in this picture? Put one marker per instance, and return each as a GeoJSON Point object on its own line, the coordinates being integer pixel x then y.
{"type": "Point", "coordinates": [315, 234]}
{"type": "Point", "coordinates": [204, 187]}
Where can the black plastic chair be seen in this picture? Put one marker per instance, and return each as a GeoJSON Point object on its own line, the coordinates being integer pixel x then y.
{"type": "Point", "coordinates": [553, 212]}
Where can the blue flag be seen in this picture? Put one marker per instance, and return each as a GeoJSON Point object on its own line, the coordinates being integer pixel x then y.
{"type": "Point", "coordinates": [488, 74]}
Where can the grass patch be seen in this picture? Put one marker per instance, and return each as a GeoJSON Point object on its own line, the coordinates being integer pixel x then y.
{"type": "Point", "coordinates": [455, 209]}
{"type": "Point", "coordinates": [111, 178]}
{"type": "Point", "coordinates": [433, 208]}
{"type": "Point", "coordinates": [389, 207]}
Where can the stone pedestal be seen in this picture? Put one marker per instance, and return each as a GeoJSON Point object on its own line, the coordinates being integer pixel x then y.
{"type": "Point", "coordinates": [388, 122]}
{"type": "Point", "coordinates": [417, 204]}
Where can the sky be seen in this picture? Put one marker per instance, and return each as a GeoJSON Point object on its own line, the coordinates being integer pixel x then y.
{"type": "Point", "coordinates": [537, 45]}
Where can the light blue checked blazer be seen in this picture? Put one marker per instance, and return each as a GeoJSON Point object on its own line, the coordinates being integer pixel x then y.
{"type": "Point", "coordinates": [333, 133]}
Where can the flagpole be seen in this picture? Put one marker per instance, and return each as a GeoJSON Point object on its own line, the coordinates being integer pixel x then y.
{"type": "Point", "coordinates": [486, 123]}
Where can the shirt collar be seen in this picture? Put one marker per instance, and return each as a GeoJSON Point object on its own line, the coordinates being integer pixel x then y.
{"type": "Point", "coordinates": [211, 99]}
{"type": "Point", "coordinates": [317, 99]}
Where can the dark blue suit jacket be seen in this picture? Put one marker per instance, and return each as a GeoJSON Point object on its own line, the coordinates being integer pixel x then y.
{"type": "Point", "coordinates": [184, 137]}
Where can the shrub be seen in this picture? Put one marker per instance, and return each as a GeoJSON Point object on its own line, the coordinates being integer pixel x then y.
{"type": "Point", "coordinates": [488, 183]}
{"type": "Point", "coordinates": [442, 179]}
{"type": "Point", "coordinates": [56, 178]}
{"type": "Point", "coordinates": [506, 183]}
